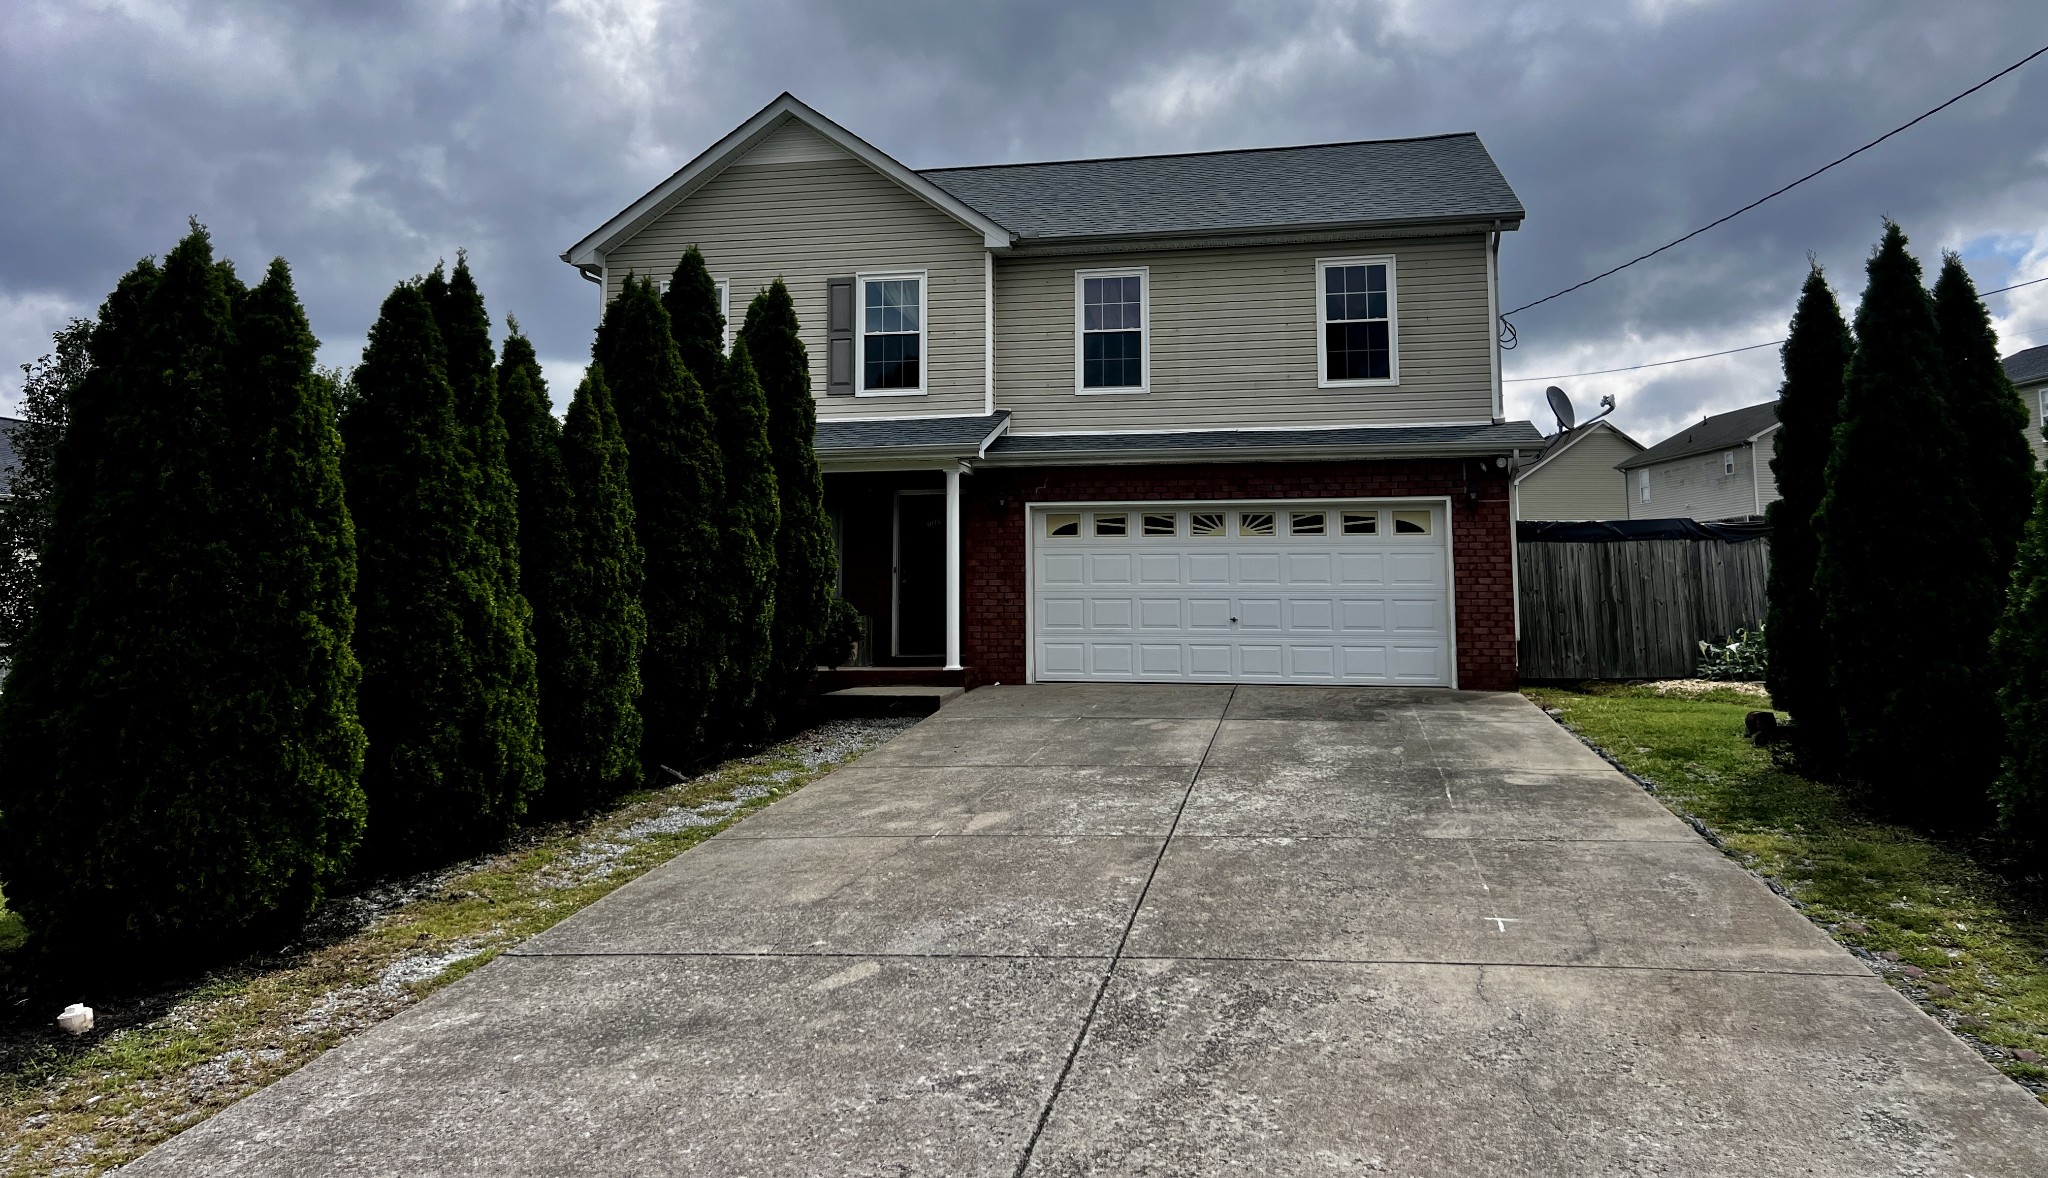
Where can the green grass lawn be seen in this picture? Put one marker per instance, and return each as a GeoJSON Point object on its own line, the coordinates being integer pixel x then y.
{"type": "Point", "coordinates": [1978, 939]}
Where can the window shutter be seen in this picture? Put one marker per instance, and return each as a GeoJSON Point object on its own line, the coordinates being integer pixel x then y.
{"type": "Point", "coordinates": [839, 337]}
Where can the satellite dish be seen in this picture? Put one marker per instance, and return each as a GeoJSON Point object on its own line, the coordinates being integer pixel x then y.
{"type": "Point", "coordinates": [1561, 405]}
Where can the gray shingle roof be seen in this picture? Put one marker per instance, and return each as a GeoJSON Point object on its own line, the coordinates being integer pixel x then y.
{"type": "Point", "coordinates": [1389, 181]}
{"type": "Point", "coordinates": [1246, 445]}
{"type": "Point", "coordinates": [939, 434]}
{"type": "Point", "coordinates": [2027, 367]}
{"type": "Point", "coordinates": [1722, 431]}
{"type": "Point", "coordinates": [8, 459]}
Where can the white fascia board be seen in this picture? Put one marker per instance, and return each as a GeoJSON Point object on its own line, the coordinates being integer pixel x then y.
{"type": "Point", "coordinates": [1758, 436]}
{"type": "Point", "coordinates": [718, 156]}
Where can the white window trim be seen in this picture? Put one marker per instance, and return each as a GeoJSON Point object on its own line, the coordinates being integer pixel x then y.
{"type": "Point", "coordinates": [724, 286]}
{"type": "Point", "coordinates": [860, 332]}
{"type": "Point", "coordinates": [1393, 376]}
{"type": "Point", "coordinates": [1144, 276]}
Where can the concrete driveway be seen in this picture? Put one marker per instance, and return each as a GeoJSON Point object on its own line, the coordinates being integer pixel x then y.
{"type": "Point", "coordinates": [1167, 931]}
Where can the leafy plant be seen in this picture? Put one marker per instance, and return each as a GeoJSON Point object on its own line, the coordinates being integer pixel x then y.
{"type": "Point", "coordinates": [1747, 656]}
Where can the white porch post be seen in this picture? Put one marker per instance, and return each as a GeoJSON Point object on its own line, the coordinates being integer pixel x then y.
{"type": "Point", "coordinates": [953, 568]}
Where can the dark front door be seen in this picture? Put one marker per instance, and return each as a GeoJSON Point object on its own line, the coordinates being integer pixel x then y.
{"type": "Point", "coordinates": [920, 576]}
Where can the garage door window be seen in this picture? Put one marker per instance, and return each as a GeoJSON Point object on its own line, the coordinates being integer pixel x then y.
{"type": "Point", "coordinates": [1361, 523]}
{"type": "Point", "coordinates": [1112, 525]}
{"type": "Point", "coordinates": [1411, 523]}
{"type": "Point", "coordinates": [1255, 523]}
{"type": "Point", "coordinates": [1206, 523]}
{"type": "Point", "coordinates": [1162, 524]}
{"type": "Point", "coordinates": [1063, 525]}
{"type": "Point", "coordinates": [1305, 523]}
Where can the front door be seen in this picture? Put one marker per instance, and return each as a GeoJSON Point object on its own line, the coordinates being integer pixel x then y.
{"type": "Point", "coordinates": [920, 630]}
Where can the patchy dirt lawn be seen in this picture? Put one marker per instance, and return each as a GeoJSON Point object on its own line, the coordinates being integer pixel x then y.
{"type": "Point", "coordinates": [158, 1063]}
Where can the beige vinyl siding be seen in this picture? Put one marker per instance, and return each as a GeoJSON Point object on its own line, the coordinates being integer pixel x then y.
{"type": "Point", "coordinates": [2035, 395]}
{"type": "Point", "coordinates": [1580, 483]}
{"type": "Point", "coordinates": [1694, 487]}
{"type": "Point", "coordinates": [821, 214]}
{"type": "Point", "coordinates": [1234, 340]}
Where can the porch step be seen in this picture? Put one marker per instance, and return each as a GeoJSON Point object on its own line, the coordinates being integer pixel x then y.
{"type": "Point", "coordinates": [908, 699]}
{"type": "Point", "coordinates": [835, 678]}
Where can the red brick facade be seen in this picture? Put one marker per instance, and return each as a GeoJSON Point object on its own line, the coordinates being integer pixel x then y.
{"type": "Point", "coordinates": [993, 612]}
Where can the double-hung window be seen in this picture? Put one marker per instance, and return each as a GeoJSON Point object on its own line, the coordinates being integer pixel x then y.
{"type": "Point", "coordinates": [1355, 312]}
{"type": "Point", "coordinates": [1112, 315]}
{"type": "Point", "coordinates": [891, 333]}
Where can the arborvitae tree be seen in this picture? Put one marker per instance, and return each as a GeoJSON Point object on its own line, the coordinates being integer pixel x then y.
{"type": "Point", "coordinates": [594, 722]}
{"type": "Point", "coordinates": [1997, 464]}
{"type": "Point", "coordinates": [1816, 359]}
{"type": "Point", "coordinates": [25, 510]}
{"type": "Point", "coordinates": [412, 491]}
{"type": "Point", "coordinates": [691, 301]}
{"type": "Point", "coordinates": [1902, 667]}
{"type": "Point", "coordinates": [507, 744]}
{"type": "Point", "coordinates": [805, 564]}
{"type": "Point", "coordinates": [177, 739]}
{"type": "Point", "coordinates": [2021, 655]}
{"type": "Point", "coordinates": [533, 455]}
{"type": "Point", "coordinates": [678, 486]}
{"type": "Point", "coordinates": [740, 415]}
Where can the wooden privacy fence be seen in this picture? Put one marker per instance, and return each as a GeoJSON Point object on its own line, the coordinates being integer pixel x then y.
{"type": "Point", "coordinates": [1631, 599]}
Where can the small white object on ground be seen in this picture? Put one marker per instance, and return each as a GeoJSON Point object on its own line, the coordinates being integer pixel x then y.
{"type": "Point", "coordinates": [77, 1018]}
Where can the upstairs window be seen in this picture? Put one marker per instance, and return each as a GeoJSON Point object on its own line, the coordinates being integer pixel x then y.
{"type": "Point", "coordinates": [1727, 462]}
{"type": "Point", "coordinates": [1355, 310]}
{"type": "Point", "coordinates": [1111, 314]}
{"type": "Point", "coordinates": [1643, 484]}
{"type": "Point", "coordinates": [892, 333]}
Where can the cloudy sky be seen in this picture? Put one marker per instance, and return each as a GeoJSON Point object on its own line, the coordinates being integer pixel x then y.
{"type": "Point", "coordinates": [364, 139]}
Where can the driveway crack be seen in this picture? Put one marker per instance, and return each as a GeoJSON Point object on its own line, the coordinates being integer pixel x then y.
{"type": "Point", "coordinates": [1059, 1084]}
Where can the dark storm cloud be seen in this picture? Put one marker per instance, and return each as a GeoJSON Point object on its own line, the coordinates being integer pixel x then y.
{"type": "Point", "coordinates": [364, 141]}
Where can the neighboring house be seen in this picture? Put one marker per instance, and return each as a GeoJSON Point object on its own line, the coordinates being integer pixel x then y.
{"type": "Point", "coordinates": [1718, 469]}
{"type": "Point", "coordinates": [1575, 476]}
{"type": "Point", "coordinates": [1220, 417]}
{"type": "Point", "coordinates": [2028, 372]}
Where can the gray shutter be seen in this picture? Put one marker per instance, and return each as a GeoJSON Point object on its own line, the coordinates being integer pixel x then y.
{"type": "Point", "coordinates": [839, 337]}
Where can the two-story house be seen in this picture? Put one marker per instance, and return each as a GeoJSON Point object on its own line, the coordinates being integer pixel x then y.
{"type": "Point", "coordinates": [2028, 372]}
{"type": "Point", "coordinates": [1216, 417]}
{"type": "Point", "coordinates": [1717, 469]}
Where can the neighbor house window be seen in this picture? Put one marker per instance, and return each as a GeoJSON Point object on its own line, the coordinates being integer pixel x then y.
{"type": "Point", "coordinates": [1110, 319]}
{"type": "Point", "coordinates": [1355, 310]}
{"type": "Point", "coordinates": [1727, 462]}
{"type": "Point", "coordinates": [725, 309]}
{"type": "Point", "coordinates": [892, 333]}
{"type": "Point", "coordinates": [1643, 485]}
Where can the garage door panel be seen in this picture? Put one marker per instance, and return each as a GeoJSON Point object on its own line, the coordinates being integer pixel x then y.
{"type": "Point", "coordinates": [1258, 568]}
{"type": "Point", "coordinates": [1060, 568]}
{"type": "Point", "coordinates": [1160, 659]}
{"type": "Point", "coordinates": [1061, 613]}
{"type": "Point", "coordinates": [1160, 613]}
{"type": "Point", "coordinates": [1310, 568]}
{"type": "Point", "coordinates": [1159, 568]}
{"type": "Point", "coordinates": [1311, 613]}
{"type": "Point", "coordinates": [1258, 613]}
{"type": "Point", "coordinates": [1335, 608]}
{"type": "Point", "coordinates": [1110, 613]}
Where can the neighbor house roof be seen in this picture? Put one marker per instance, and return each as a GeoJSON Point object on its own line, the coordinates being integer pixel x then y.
{"type": "Point", "coordinates": [9, 460]}
{"type": "Point", "coordinates": [1240, 445]}
{"type": "Point", "coordinates": [2027, 367]}
{"type": "Point", "coordinates": [935, 438]}
{"type": "Point", "coordinates": [1381, 182]}
{"type": "Point", "coordinates": [1719, 432]}
{"type": "Point", "coordinates": [1564, 440]}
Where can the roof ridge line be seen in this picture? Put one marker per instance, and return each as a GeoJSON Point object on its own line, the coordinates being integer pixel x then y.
{"type": "Point", "coordinates": [1173, 155]}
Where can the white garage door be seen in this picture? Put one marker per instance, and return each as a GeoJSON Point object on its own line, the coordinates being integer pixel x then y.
{"type": "Point", "coordinates": [1242, 592]}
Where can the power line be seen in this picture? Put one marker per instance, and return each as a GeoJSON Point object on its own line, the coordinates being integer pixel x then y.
{"type": "Point", "coordinates": [1710, 355]}
{"type": "Point", "coordinates": [1787, 188]}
